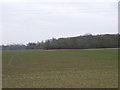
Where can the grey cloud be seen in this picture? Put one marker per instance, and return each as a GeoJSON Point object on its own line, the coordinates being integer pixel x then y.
{"type": "Point", "coordinates": [24, 22]}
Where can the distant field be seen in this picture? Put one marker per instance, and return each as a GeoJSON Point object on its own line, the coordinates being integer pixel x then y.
{"type": "Point", "coordinates": [60, 68]}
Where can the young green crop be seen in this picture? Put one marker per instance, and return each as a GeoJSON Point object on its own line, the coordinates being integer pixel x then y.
{"type": "Point", "coordinates": [60, 68]}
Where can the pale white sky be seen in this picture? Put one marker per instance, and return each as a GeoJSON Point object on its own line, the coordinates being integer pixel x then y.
{"type": "Point", "coordinates": [23, 21]}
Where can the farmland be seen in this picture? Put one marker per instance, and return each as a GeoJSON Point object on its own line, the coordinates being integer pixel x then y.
{"type": "Point", "coordinates": [97, 68]}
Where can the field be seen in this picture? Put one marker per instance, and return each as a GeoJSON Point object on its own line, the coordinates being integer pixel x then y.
{"type": "Point", "coordinates": [97, 68]}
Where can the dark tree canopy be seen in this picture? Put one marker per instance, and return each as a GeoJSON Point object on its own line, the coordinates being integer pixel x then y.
{"type": "Point", "coordinates": [79, 42]}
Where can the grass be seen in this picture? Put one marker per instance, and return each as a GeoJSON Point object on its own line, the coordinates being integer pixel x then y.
{"type": "Point", "coordinates": [60, 68]}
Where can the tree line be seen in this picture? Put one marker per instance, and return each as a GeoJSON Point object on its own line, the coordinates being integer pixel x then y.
{"type": "Point", "coordinates": [79, 42]}
{"type": "Point", "coordinates": [13, 47]}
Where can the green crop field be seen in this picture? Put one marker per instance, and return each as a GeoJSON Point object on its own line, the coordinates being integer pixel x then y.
{"type": "Point", "coordinates": [97, 68]}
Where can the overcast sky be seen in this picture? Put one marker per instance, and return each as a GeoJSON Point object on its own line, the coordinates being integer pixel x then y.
{"type": "Point", "coordinates": [23, 21]}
